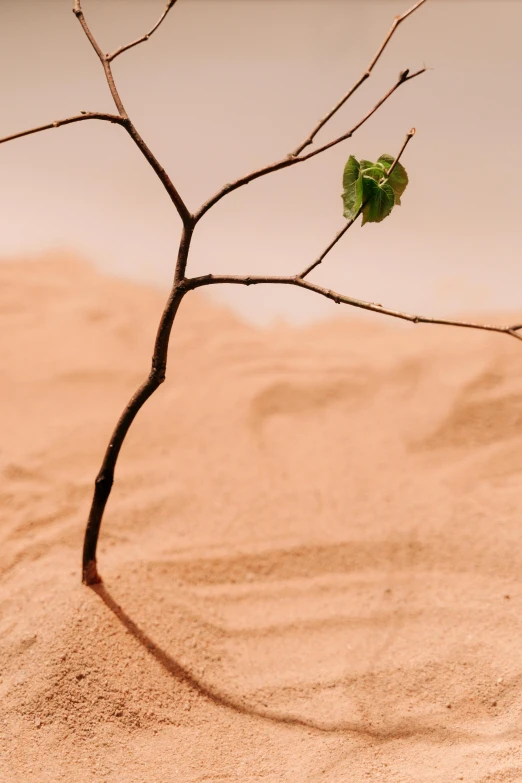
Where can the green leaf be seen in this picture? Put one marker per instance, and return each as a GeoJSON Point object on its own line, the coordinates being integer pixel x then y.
{"type": "Point", "coordinates": [350, 176]}
{"type": "Point", "coordinates": [398, 179]}
{"type": "Point", "coordinates": [374, 170]}
{"type": "Point", "coordinates": [378, 200]}
{"type": "Point", "coordinates": [386, 161]}
{"type": "Point", "coordinates": [366, 164]}
{"type": "Point", "coordinates": [351, 172]}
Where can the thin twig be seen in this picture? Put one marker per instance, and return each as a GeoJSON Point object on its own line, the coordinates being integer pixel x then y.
{"type": "Point", "coordinates": [129, 126]}
{"type": "Point", "coordinates": [86, 115]}
{"type": "Point", "coordinates": [366, 75]}
{"type": "Point", "coordinates": [111, 57]}
{"type": "Point", "coordinates": [396, 22]}
{"type": "Point", "coordinates": [291, 161]}
{"type": "Point", "coordinates": [332, 244]}
{"type": "Point", "coordinates": [401, 80]}
{"type": "Point", "coordinates": [409, 137]}
{"type": "Point", "coordinates": [297, 280]}
{"type": "Point", "coordinates": [78, 12]}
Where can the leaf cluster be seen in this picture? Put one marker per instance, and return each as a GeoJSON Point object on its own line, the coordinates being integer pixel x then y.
{"type": "Point", "coordinates": [370, 188]}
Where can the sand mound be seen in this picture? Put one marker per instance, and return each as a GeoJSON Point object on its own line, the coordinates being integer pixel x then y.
{"type": "Point", "coordinates": [311, 556]}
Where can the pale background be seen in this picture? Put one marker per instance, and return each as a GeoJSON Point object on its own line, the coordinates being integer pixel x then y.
{"type": "Point", "coordinates": [228, 85]}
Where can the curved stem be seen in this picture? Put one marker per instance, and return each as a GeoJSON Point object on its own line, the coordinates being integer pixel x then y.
{"type": "Point", "coordinates": [105, 477]}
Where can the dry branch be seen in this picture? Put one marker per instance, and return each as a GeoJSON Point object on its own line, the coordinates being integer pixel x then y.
{"type": "Point", "coordinates": [366, 75]}
{"type": "Point", "coordinates": [85, 115]}
{"type": "Point", "coordinates": [291, 160]}
{"type": "Point", "coordinates": [111, 57]}
{"type": "Point", "coordinates": [105, 477]}
{"type": "Point", "coordinates": [105, 61]}
{"type": "Point", "coordinates": [183, 284]}
{"type": "Point", "coordinates": [297, 280]}
{"type": "Point", "coordinates": [409, 137]}
{"type": "Point", "coordinates": [306, 271]}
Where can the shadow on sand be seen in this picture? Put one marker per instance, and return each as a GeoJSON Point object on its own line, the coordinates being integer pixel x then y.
{"type": "Point", "coordinates": [399, 730]}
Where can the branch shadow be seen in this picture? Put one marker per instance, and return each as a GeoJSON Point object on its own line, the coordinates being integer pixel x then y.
{"type": "Point", "coordinates": [402, 730]}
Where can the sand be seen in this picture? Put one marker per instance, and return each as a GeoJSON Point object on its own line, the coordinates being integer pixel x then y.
{"type": "Point", "coordinates": [311, 556]}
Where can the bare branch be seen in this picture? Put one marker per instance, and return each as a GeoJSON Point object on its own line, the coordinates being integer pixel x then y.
{"type": "Point", "coordinates": [403, 78]}
{"type": "Point", "coordinates": [104, 59]}
{"type": "Point", "coordinates": [292, 161]}
{"type": "Point", "coordinates": [77, 10]}
{"type": "Point", "coordinates": [396, 22]}
{"type": "Point", "coordinates": [332, 244]}
{"type": "Point", "coordinates": [198, 282]}
{"type": "Point", "coordinates": [86, 115]}
{"type": "Point", "coordinates": [407, 140]}
{"type": "Point", "coordinates": [366, 75]}
{"type": "Point", "coordinates": [164, 178]}
{"type": "Point", "coordinates": [111, 57]}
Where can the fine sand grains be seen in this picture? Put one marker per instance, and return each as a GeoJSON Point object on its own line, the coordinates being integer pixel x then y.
{"type": "Point", "coordinates": [312, 557]}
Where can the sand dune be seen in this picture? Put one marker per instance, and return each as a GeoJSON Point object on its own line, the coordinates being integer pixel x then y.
{"type": "Point", "coordinates": [311, 556]}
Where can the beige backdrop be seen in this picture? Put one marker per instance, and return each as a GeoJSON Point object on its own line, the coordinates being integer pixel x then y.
{"type": "Point", "coordinates": [228, 85]}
